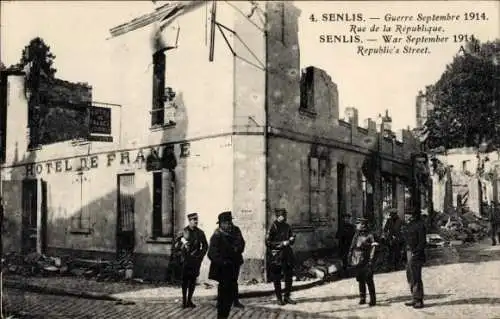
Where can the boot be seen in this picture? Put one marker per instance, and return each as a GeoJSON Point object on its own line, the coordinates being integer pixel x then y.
{"type": "Point", "coordinates": [277, 291]}
{"type": "Point", "coordinates": [362, 292]}
{"type": "Point", "coordinates": [192, 286]}
{"type": "Point", "coordinates": [373, 296]}
{"type": "Point", "coordinates": [289, 300]}
{"type": "Point", "coordinates": [288, 291]}
{"type": "Point", "coordinates": [419, 304]}
{"type": "Point", "coordinates": [410, 303]}
{"type": "Point", "coordinates": [184, 294]}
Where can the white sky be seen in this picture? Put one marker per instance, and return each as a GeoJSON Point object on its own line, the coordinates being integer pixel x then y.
{"type": "Point", "coordinates": [77, 32]}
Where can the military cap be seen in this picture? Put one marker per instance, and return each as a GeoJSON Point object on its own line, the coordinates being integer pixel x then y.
{"type": "Point", "coordinates": [192, 216]}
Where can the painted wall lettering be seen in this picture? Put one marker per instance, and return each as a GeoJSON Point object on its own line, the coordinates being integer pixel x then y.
{"type": "Point", "coordinates": [135, 157]}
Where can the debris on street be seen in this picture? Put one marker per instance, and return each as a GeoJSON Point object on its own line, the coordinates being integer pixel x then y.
{"type": "Point", "coordinates": [463, 227]}
{"type": "Point", "coordinates": [35, 264]}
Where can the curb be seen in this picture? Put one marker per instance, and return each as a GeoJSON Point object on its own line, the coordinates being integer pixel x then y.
{"type": "Point", "coordinates": [59, 291]}
{"type": "Point", "coordinates": [109, 297]}
{"type": "Point", "coordinates": [242, 295]}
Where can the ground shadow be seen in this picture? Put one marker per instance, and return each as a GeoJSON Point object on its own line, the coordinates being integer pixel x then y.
{"type": "Point", "coordinates": [398, 299]}
{"type": "Point", "coordinates": [279, 313]}
{"type": "Point", "coordinates": [384, 302]}
{"type": "Point", "coordinates": [466, 301]}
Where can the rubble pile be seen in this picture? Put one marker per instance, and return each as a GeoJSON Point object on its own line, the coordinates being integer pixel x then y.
{"type": "Point", "coordinates": [315, 268]}
{"type": "Point", "coordinates": [35, 264]}
{"type": "Point", "coordinates": [463, 227]}
{"type": "Point", "coordinates": [119, 269]}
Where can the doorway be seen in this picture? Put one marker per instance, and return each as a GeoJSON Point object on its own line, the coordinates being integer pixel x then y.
{"type": "Point", "coordinates": [34, 229]}
{"type": "Point", "coordinates": [125, 231]}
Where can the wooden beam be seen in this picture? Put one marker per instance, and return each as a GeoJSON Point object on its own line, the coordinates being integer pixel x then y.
{"type": "Point", "coordinates": [145, 19]}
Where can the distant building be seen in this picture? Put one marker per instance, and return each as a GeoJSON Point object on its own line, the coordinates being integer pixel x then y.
{"type": "Point", "coordinates": [423, 107]}
{"type": "Point", "coordinates": [247, 132]}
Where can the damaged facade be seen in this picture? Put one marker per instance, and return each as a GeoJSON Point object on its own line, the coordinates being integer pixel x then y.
{"type": "Point", "coordinates": [248, 132]}
{"type": "Point", "coordinates": [465, 178]}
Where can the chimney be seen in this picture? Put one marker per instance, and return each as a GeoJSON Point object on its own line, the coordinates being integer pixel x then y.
{"type": "Point", "coordinates": [399, 135]}
{"type": "Point", "coordinates": [370, 125]}
{"type": "Point", "coordinates": [387, 122]}
{"type": "Point", "coordinates": [351, 115]}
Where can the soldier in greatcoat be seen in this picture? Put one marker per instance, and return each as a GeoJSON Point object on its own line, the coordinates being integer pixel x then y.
{"type": "Point", "coordinates": [361, 257]}
{"type": "Point", "coordinates": [194, 246]}
{"type": "Point", "coordinates": [225, 254]}
{"type": "Point", "coordinates": [279, 240]}
{"type": "Point", "coordinates": [416, 240]}
{"type": "Point", "coordinates": [239, 243]}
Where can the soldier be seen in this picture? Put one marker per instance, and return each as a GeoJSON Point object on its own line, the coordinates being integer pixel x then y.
{"type": "Point", "coordinates": [392, 233]}
{"type": "Point", "coordinates": [345, 235]}
{"type": "Point", "coordinates": [361, 255]}
{"type": "Point", "coordinates": [279, 240]}
{"type": "Point", "coordinates": [194, 246]}
{"type": "Point", "coordinates": [225, 254]}
{"type": "Point", "coordinates": [239, 243]}
{"type": "Point", "coordinates": [416, 239]}
{"type": "Point", "coordinates": [495, 224]}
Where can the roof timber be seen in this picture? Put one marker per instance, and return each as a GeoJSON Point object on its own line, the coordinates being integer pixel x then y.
{"type": "Point", "coordinates": [160, 14]}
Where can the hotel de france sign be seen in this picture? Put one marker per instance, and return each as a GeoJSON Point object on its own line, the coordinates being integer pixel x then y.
{"type": "Point", "coordinates": [155, 158]}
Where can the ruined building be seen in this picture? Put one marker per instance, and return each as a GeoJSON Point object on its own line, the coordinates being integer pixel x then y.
{"type": "Point", "coordinates": [209, 121]}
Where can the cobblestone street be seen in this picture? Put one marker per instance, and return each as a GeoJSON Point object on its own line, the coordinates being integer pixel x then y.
{"type": "Point", "coordinates": [57, 307]}
{"type": "Point", "coordinates": [462, 283]}
{"type": "Point", "coordinates": [468, 289]}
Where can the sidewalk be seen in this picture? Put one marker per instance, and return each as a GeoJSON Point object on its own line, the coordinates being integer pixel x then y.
{"type": "Point", "coordinates": [174, 293]}
{"type": "Point", "coordinates": [130, 291]}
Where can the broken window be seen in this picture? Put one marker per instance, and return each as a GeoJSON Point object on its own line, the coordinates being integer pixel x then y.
{"type": "Point", "coordinates": [341, 189]}
{"type": "Point", "coordinates": [387, 192]}
{"type": "Point", "coordinates": [158, 110]}
{"type": "Point", "coordinates": [307, 91]}
{"type": "Point", "coordinates": [318, 173]}
{"type": "Point", "coordinates": [163, 203]}
{"type": "Point", "coordinates": [163, 107]}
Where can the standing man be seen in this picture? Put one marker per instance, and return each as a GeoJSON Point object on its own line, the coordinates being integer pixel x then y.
{"type": "Point", "coordinates": [392, 233]}
{"type": "Point", "coordinates": [279, 240]}
{"type": "Point", "coordinates": [416, 240]}
{"type": "Point", "coordinates": [495, 224]}
{"type": "Point", "coordinates": [239, 243]}
{"type": "Point", "coordinates": [194, 246]}
{"type": "Point", "coordinates": [361, 256]}
{"type": "Point", "coordinates": [224, 252]}
{"type": "Point", "coordinates": [345, 235]}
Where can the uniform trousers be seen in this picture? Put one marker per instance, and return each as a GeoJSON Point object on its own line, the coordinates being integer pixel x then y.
{"type": "Point", "coordinates": [414, 277]}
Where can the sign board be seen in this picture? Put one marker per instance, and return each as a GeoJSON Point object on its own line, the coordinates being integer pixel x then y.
{"type": "Point", "coordinates": [100, 120]}
{"type": "Point", "coordinates": [100, 138]}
